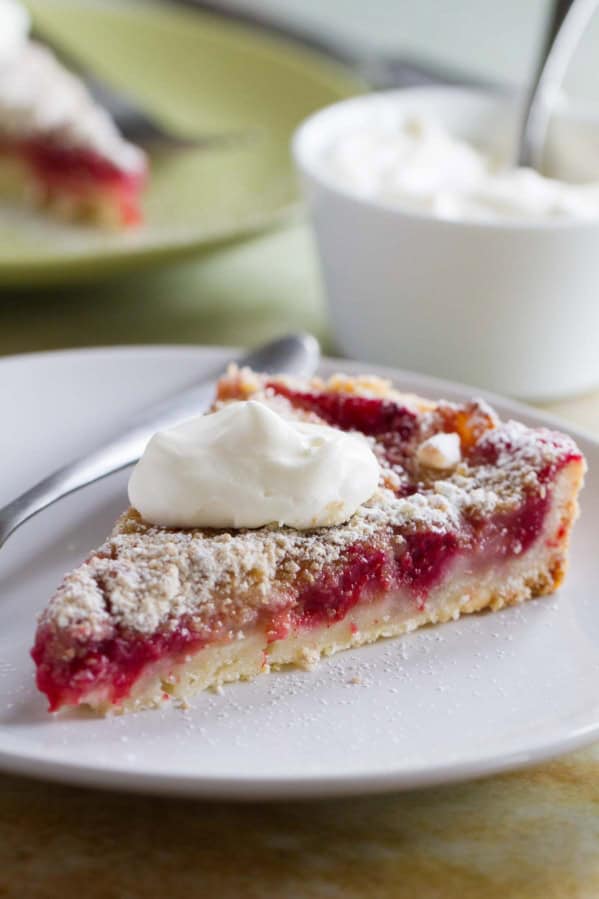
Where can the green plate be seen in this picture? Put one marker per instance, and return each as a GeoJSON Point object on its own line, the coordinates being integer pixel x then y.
{"type": "Point", "coordinates": [196, 72]}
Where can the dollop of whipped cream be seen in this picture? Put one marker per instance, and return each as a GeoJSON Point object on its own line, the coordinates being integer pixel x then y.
{"type": "Point", "coordinates": [413, 162]}
{"type": "Point", "coordinates": [38, 95]}
{"type": "Point", "coordinates": [14, 28]}
{"type": "Point", "coordinates": [246, 466]}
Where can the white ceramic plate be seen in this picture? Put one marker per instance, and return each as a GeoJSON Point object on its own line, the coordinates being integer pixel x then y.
{"type": "Point", "coordinates": [484, 694]}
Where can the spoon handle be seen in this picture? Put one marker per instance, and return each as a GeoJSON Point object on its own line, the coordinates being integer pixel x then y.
{"type": "Point", "coordinates": [296, 354]}
{"type": "Point", "coordinates": [569, 21]}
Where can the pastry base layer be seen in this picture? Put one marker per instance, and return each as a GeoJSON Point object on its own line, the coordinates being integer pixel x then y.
{"type": "Point", "coordinates": [537, 572]}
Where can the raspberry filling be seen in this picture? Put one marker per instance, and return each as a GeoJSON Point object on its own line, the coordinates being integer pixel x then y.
{"type": "Point", "coordinates": [69, 669]}
{"type": "Point", "coordinates": [371, 416]}
{"type": "Point", "coordinates": [116, 663]}
{"type": "Point", "coordinates": [81, 173]}
{"type": "Point", "coordinates": [363, 572]}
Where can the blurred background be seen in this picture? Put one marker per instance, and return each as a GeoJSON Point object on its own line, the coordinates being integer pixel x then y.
{"type": "Point", "coordinates": [497, 42]}
{"type": "Point", "coordinates": [242, 291]}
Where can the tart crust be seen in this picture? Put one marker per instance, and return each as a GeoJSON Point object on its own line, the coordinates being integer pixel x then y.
{"type": "Point", "coordinates": [537, 574]}
{"type": "Point", "coordinates": [157, 614]}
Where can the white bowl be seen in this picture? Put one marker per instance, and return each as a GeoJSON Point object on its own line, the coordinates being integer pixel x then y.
{"type": "Point", "coordinates": [509, 305]}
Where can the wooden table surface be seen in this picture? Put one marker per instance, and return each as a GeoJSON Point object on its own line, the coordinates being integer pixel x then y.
{"type": "Point", "coordinates": [528, 834]}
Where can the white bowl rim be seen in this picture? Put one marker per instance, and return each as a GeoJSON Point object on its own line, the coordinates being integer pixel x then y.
{"type": "Point", "coordinates": [506, 223]}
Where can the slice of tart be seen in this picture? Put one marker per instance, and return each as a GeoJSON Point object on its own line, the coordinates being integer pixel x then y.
{"type": "Point", "coordinates": [58, 148]}
{"type": "Point", "coordinates": [470, 513]}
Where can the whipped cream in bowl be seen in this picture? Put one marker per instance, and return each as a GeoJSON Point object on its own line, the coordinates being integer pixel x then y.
{"type": "Point", "coordinates": [438, 255]}
{"type": "Point", "coordinates": [246, 466]}
{"type": "Point", "coordinates": [414, 162]}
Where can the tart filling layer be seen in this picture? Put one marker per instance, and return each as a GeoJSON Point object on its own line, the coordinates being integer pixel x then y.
{"type": "Point", "coordinates": [158, 612]}
{"type": "Point", "coordinates": [75, 183]}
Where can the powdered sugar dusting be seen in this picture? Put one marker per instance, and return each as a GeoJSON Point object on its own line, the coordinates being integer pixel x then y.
{"type": "Point", "coordinates": [145, 578]}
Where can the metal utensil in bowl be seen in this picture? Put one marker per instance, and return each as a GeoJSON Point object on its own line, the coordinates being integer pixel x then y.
{"type": "Point", "coordinates": [569, 21]}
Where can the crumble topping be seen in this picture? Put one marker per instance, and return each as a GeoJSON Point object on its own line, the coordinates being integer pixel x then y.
{"type": "Point", "coordinates": [145, 578]}
{"type": "Point", "coordinates": [440, 451]}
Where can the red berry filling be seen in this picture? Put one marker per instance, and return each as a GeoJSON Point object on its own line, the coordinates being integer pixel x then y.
{"type": "Point", "coordinates": [81, 173]}
{"type": "Point", "coordinates": [364, 572]}
{"type": "Point", "coordinates": [348, 412]}
{"type": "Point", "coordinates": [115, 663]}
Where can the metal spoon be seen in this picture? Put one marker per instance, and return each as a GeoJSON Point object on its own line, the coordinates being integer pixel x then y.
{"type": "Point", "coordinates": [569, 21]}
{"type": "Point", "coordinates": [296, 354]}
